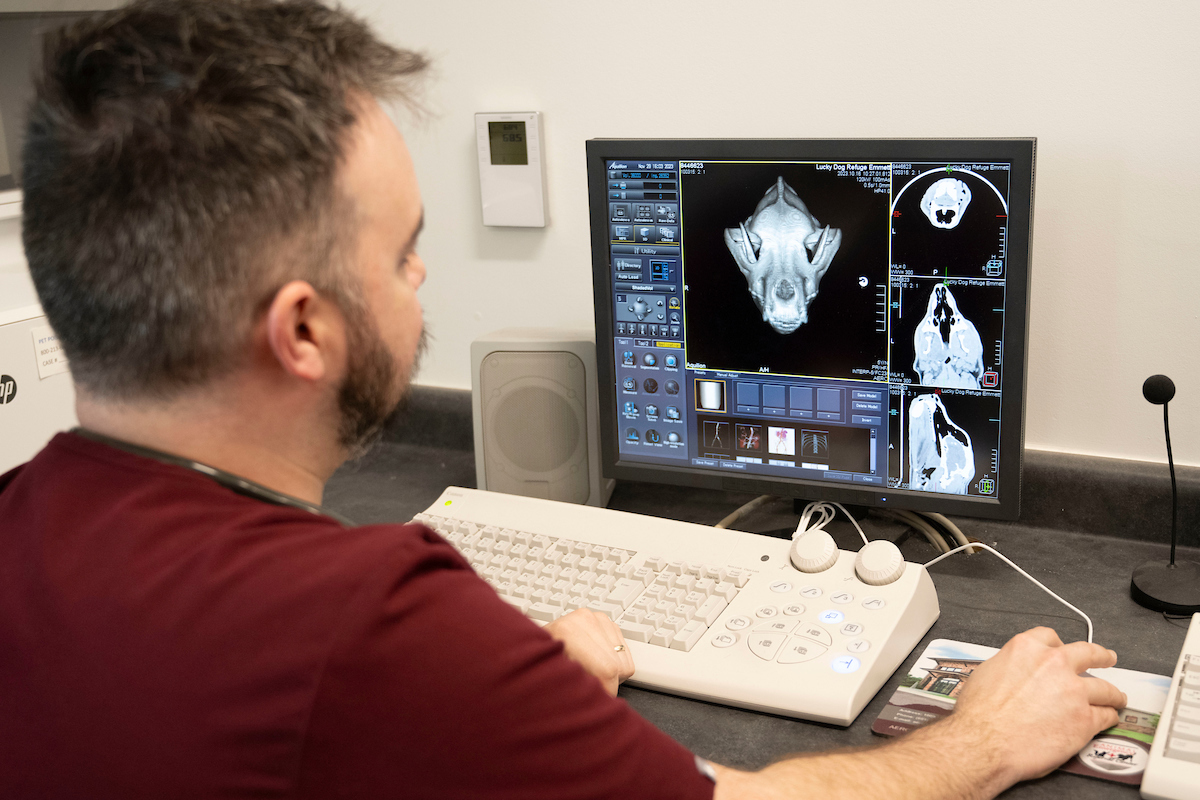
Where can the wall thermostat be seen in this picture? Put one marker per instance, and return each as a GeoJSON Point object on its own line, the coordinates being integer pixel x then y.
{"type": "Point", "coordinates": [512, 173]}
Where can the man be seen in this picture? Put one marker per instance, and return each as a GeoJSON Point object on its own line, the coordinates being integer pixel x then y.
{"type": "Point", "coordinates": [221, 223]}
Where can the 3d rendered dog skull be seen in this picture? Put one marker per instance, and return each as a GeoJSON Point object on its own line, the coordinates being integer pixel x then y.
{"type": "Point", "coordinates": [783, 252]}
{"type": "Point", "coordinates": [945, 202]}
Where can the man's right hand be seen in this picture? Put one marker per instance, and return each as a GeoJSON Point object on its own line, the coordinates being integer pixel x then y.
{"type": "Point", "coordinates": [1034, 703]}
{"type": "Point", "coordinates": [1024, 712]}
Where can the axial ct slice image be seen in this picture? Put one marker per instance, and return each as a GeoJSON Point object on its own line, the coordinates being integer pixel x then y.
{"type": "Point", "coordinates": [945, 201]}
{"type": "Point", "coordinates": [939, 452]}
{"type": "Point", "coordinates": [783, 252]}
{"type": "Point", "coordinates": [948, 347]}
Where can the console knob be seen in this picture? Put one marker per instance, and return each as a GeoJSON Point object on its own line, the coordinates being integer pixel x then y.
{"type": "Point", "coordinates": [815, 551]}
{"type": "Point", "coordinates": [879, 563]}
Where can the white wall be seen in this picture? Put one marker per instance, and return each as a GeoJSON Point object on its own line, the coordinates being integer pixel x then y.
{"type": "Point", "coordinates": [1109, 89]}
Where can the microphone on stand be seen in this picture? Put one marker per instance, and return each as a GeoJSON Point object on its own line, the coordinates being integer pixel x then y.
{"type": "Point", "coordinates": [1167, 585]}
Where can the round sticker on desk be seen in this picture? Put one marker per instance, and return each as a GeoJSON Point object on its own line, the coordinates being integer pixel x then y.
{"type": "Point", "coordinates": [1112, 757]}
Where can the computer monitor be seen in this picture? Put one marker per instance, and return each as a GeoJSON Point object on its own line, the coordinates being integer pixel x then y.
{"type": "Point", "coordinates": [825, 319]}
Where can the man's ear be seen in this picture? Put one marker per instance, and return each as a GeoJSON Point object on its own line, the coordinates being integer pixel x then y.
{"type": "Point", "coordinates": [304, 331]}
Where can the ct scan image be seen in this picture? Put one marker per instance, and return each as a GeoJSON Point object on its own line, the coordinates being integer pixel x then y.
{"type": "Point", "coordinates": [951, 223]}
{"type": "Point", "coordinates": [784, 266]}
{"type": "Point", "coordinates": [944, 440]}
{"type": "Point", "coordinates": [947, 333]}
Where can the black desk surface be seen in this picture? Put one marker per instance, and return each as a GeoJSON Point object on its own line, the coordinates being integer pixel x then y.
{"type": "Point", "coordinates": [982, 601]}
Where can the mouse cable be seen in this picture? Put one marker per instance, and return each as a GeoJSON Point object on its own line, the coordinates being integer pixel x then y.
{"type": "Point", "coordinates": [826, 509]}
{"type": "Point", "coordinates": [1008, 561]}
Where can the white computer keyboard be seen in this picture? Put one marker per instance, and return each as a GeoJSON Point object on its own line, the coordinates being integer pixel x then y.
{"type": "Point", "coordinates": [713, 614]}
{"type": "Point", "coordinates": [1173, 771]}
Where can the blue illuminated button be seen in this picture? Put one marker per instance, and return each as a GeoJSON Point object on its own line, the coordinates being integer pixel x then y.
{"type": "Point", "coordinates": [845, 664]}
{"type": "Point", "coordinates": [672, 361]}
{"type": "Point", "coordinates": [831, 617]}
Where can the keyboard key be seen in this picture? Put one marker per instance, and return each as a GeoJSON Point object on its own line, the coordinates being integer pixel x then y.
{"type": "Point", "coordinates": [612, 610]}
{"type": "Point", "coordinates": [1186, 730]}
{"type": "Point", "coordinates": [711, 609]}
{"type": "Point", "coordinates": [519, 603]}
{"type": "Point", "coordinates": [688, 636]}
{"type": "Point", "coordinates": [1183, 749]}
{"type": "Point", "coordinates": [674, 622]}
{"type": "Point", "coordinates": [543, 611]}
{"type": "Point", "coordinates": [624, 592]}
{"type": "Point", "coordinates": [737, 577]}
{"type": "Point", "coordinates": [662, 637]}
{"type": "Point", "coordinates": [635, 631]}
{"type": "Point", "coordinates": [726, 590]}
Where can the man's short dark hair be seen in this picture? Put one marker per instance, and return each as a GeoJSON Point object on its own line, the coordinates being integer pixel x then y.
{"type": "Point", "coordinates": [180, 165]}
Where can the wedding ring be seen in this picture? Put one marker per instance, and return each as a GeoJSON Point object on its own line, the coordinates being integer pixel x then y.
{"type": "Point", "coordinates": [619, 648]}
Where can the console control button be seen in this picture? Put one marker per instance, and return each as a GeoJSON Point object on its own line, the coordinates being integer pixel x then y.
{"type": "Point", "coordinates": [724, 640]}
{"type": "Point", "coordinates": [842, 598]}
{"type": "Point", "coordinates": [794, 610]}
{"type": "Point", "coordinates": [766, 612]}
{"type": "Point", "coordinates": [874, 603]}
{"type": "Point", "coordinates": [737, 623]}
{"type": "Point", "coordinates": [831, 617]}
{"type": "Point", "coordinates": [766, 645]}
{"type": "Point", "coordinates": [879, 563]}
{"type": "Point", "coordinates": [815, 551]}
{"type": "Point", "coordinates": [845, 664]}
{"type": "Point", "coordinates": [800, 650]}
{"type": "Point", "coordinates": [811, 592]}
{"type": "Point", "coordinates": [778, 626]}
{"type": "Point", "coordinates": [781, 586]}
{"type": "Point", "coordinates": [852, 629]}
{"type": "Point", "coordinates": [858, 646]}
{"type": "Point", "coordinates": [819, 635]}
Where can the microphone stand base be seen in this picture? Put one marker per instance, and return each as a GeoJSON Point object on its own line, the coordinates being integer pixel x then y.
{"type": "Point", "coordinates": [1161, 586]}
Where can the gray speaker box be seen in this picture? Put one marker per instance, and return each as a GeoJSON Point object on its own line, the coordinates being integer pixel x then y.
{"type": "Point", "coordinates": [534, 403]}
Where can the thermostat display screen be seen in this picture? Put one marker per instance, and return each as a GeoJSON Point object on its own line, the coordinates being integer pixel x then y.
{"type": "Point", "coordinates": [508, 143]}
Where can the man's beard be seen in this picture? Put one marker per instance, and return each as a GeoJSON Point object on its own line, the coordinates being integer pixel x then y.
{"type": "Point", "coordinates": [372, 395]}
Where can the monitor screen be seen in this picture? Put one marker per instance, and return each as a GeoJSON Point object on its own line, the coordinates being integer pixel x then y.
{"type": "Point", "coordinates": [841, 320]}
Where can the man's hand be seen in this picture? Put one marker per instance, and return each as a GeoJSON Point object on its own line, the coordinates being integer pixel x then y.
{"type": "Point", "coordinates": [594, 642]}
{"type": "Point", "coordinates": [1036, 708]}
{"type": "Point", "coordinates": [1024, 712]}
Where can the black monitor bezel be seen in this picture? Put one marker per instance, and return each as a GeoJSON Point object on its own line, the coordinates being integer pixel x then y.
{"type": "Point", "coordinates": [1020, 152]}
